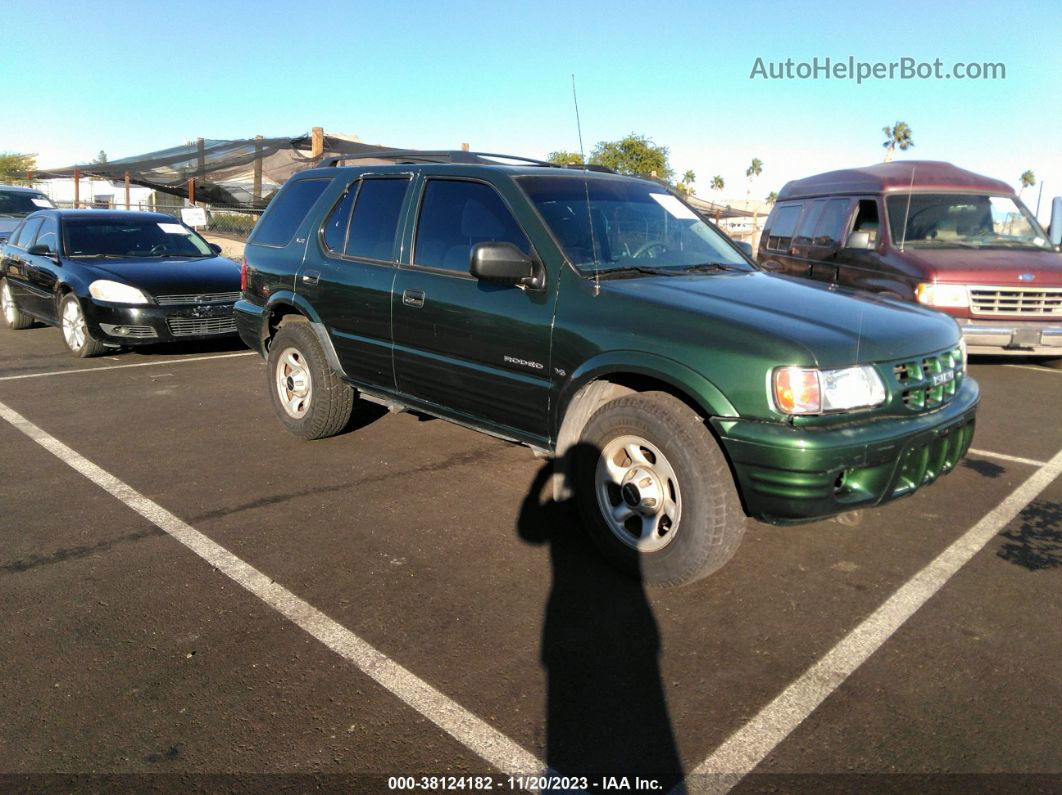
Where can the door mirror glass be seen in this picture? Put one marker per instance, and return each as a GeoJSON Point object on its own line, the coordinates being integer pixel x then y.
{"type": "Point", "coordinates": [500, 262]}
{"type": "Point", "coordinates": [860, 240]}
{"type": "Point", "coordinates": [40, 250]}
{"type": "Point", "coordinates": [215, 248]}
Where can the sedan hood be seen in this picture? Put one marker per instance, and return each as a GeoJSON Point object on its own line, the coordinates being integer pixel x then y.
{"type": "Point", "coordinates": [171, 275]}
{"type": "Point", "coordinates": [999, 267]}
{"type": "Point", "coordinates": [838, 327]}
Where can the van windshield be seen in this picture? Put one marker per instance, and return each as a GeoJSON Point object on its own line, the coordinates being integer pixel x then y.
{"type": "Point", "coordinates": [627, 225]}
{"type": "Point", "coordinates": [956, 220]}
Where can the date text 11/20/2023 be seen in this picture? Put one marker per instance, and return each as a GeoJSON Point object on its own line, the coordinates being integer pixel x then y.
{"type": "Point", "coordinates": [541, 783]}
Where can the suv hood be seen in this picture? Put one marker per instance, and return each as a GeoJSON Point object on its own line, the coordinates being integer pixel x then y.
{"type": "Point", "coordinates": [171, 275]}
{"type": "Point", "coordinates": [990, 266]}
{"type": "Point", "coordinates": [837, 326]}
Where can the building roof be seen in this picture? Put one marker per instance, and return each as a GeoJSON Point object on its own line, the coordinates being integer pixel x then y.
{"type": "Point", "coordinates": [896, 176]}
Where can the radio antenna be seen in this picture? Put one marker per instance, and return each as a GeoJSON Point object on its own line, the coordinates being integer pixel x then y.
{"type": "Point", "coordinates": [907, 212]}
{"type": "Point", "coordinates": [586, 190]}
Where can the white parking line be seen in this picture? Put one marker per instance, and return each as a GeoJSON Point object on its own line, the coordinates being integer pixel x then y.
{"type": "Point", "coordinates": [1017, 459]}
{"type": "Point", "coordinates": [123, 366]}
{"type": "Point", "coordinates": [1033, 367]}
{"type": "Point", "coordinates": [476, 735]}
{"type": "Point", "coordinates": [750, 745]}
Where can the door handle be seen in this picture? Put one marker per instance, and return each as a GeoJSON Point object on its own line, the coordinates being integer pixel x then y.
{"type": "Point", "coordinates": [311, 277]}
{"type": "Point", "coordinates": [414, 298]}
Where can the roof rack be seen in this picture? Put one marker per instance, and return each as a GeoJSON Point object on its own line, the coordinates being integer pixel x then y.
{"type": "Point", "coordinates": [449, 156]}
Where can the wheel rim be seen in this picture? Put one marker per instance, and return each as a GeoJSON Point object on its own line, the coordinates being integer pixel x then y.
{"type": "Point", "coordinates": [74, 331]}
{"type": "Point", "coordinates": [8, 304]}
{"type": "Point", "coordinates": [293, 382]}
{"type": "Point", "coordinates": [638, 493]}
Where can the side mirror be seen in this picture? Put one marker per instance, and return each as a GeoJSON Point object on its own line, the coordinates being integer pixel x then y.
{"type": "Point", "coordinates": [860, 240]}
{"type": "Point", "coordinates": [1056, 220]}
{"type": "Point", "coordinates": [501, 262]}
{"type": "Point", "coordinates": [745, 247]}
{"type": "Point", "coordinates": [215, 248]}
{"type": "Point", "coordinates": [40, 250]}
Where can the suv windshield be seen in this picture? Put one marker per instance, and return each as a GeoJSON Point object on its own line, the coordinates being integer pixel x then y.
{"type": "Point", "coordinates": [132, 237]}
{"type": "Point", "coordinates": [20, 203]}
{"type": "Point", "coordinates": [956, 220]}
{"type": "Point", "coordinates": [608, 224]}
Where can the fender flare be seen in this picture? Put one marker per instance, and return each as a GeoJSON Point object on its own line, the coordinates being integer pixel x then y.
{"type": "Point", "coordinates": [303, 307]}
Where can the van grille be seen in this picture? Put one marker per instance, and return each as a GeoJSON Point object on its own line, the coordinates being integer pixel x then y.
{"type": "Point", "coordinates": [196, 326]}
{"type": "Point", "coordinates": [198, 298]}
{"type": "Point", "coordinates": [928, 382]}
{"type": "Point", "coordinates": [1016, 300]}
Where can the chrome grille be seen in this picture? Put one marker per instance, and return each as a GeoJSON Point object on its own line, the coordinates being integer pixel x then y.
{"type": "Point", "coordinates": [197, 326]}
{"type": "Point", "coordinates": [199, 298]}
{"type": "Point", "coordinates": [1016, 300]}
{"type": "Point", "coordinates": [928, 382]}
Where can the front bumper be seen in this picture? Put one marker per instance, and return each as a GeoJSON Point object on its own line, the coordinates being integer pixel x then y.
{"type": "Point", "coordinates": [147, 324]}
{"type": "Point", "coordinates": [1012, 337]}
{"type": "Point", "coordinates": [792, 474]}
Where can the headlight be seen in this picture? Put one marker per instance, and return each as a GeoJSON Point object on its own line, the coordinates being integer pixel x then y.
{"type": "Point", "coordinates": [946, 295]}
{"type": "Point", "coordinates": [803, 390]}
{"type": "Point", "coordinates": [116, 292]}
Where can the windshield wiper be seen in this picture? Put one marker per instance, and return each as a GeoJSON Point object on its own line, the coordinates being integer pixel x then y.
{"type": "Point", "coordinates": [629, 269]}
{"type": "Point", "coordinates": [709, 267]}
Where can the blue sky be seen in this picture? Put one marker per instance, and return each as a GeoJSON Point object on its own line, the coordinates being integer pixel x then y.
{"type": "Point", "coordinates": [129, 77]}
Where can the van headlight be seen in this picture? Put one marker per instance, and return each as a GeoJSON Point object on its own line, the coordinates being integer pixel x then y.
{"type": "Point", "coordinates": [116, 292]}
{"type": "Point", "coordinates": [805, 390]}
{"type": "Point", "coordinates": [953, 296]}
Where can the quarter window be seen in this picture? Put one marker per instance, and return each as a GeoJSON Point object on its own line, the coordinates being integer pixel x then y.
{"type": "Point", "coordinates": [335, 228]}
{"type": "Point", "coordinates": [375, 219]}
{"type": "Point", "coordinates": [455, 216]}
{"type": "Point", "coordinates": [286, 212]}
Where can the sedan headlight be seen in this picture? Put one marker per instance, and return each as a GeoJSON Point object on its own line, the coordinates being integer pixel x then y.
{"type": "Point", "coordinates": [953, 296]}
{"type": "Point", "coordinates": [804, 390]}
{"type": "Point", "coordinates": [116, 292]}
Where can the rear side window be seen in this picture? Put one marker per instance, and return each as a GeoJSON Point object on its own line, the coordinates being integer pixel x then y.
{"type": "Point", "coordinates": [831, 225]}
{"type": "Point", "coordinates": [782, 226]}
{"type": "Point", "coordinates": [809, 221]}
{"type": "Point", "coordinates": [285, 214]}
{"type": "Point", "coordinates": [455, 216]}
{"type": "Point", "coordinates": [29, 229]}
{"type": "Point", "coordinates": [375, 219]}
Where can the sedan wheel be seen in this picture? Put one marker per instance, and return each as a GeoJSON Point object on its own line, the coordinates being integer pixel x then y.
{"type": "Point", "coordinates": [13, 317]}
{"type": "Point", "coordinates": [75, 329]}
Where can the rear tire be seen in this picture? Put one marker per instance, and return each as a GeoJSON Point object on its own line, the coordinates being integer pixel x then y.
{"type": "Point", "coordinates": [74, 329]}
{"type": "Point", "coordinates": [14, 318]}
{"type": "Point", "coordinates": [655, 490]}
{"type": "Point", "coordinates": [309, 399]}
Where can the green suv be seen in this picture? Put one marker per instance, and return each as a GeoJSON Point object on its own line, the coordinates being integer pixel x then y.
{"type": "Point", "coordinates": [597, 319]}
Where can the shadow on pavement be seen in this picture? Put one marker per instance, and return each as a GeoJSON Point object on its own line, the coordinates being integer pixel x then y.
{"type": "Point", "coordinates": [606, 714]}
{"type": "Point", "coordinates": [1037, 544]}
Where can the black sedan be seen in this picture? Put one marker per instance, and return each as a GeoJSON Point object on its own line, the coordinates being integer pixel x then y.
{"type": "Point", "coordinates": [109, 279]}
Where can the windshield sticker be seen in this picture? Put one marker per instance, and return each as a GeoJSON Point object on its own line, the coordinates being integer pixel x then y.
{"type": "Point", "coordinates": [43, 203]}
{"type": "Point", "coordinates": [173, 229]}
{"type": "Point", "coordinates": [675, 208]}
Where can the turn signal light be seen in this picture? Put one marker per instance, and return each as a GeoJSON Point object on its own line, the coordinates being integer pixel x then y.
{"type": "Point", "coordinates": [243, 274]}
{"type": "Point", "coordinates": [796, 390]}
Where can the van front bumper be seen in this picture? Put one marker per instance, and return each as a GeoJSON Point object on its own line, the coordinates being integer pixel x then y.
{"type": "Point", "coordinates": [792, 474]}
{"type": "Point", "coordinates": [1012, 337]}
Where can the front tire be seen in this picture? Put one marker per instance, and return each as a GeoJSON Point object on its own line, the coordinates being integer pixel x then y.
{"type": "Point", "coordinates": [14, 318]}
{"type": "Point", "coordinates": [655, 491]}
{"type": "Point", "coordinates": [308, 397]}
{"type": "Point", "coordinates": [75, 330]}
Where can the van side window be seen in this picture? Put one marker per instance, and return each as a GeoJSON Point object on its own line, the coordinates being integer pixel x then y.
{"type": "Point", "coordinates": [832, 223]}
{"type": "Point", "coordinates": [781, 227]}
{"type": "Point", "coordinates": [866, 219]}
{"type": "Point", "coordinates": [808, 222]}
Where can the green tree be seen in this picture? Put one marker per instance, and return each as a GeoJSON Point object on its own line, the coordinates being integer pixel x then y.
{"type": "Point", "coordinates": [754, 170]}
{"type": "Point", "coordinates": [14, 166]}
{"type": "Point", "coordinates": [718, 183]}
{"type": "Point", "coordinates": [563, 158]}
{"type": "Point", "coordinates": [101, 159]}
{"type": "Point", "coordinates": [1028, 179]}
{"type": "Point", "coordinates": [772, 197]}
{"type": "Point", "coordinates": [896, 137]}
{"type": "Point", "coordinates": [634, 155]}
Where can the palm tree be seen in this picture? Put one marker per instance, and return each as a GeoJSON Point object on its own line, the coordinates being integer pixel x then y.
{"type": "Point", "coordinates": [688, 179]}
{"type": "Point", "coordinates": [754, 170]}
{"type": "Point", "coordinates": [772, 197]}
{"type": "Point", "coordinates": [899, 135]}
{"type": "Point", "coordinates": [718, 183]}
{"type": "Point", "coordinates": [1028, 179]}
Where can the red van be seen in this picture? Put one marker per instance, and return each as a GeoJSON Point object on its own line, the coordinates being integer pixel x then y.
{"type": "Point", "coordinates": [929, 232]}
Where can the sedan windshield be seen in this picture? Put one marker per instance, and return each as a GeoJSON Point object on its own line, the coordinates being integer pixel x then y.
{"type": "Point", "coordinates": [20, 203]}
{"type": "Point", "coordinates": [956, 220]}
{"type": "Point", "coordinates": [131, 237]}
{"type": "Point", "coordinates": [608, 225]}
